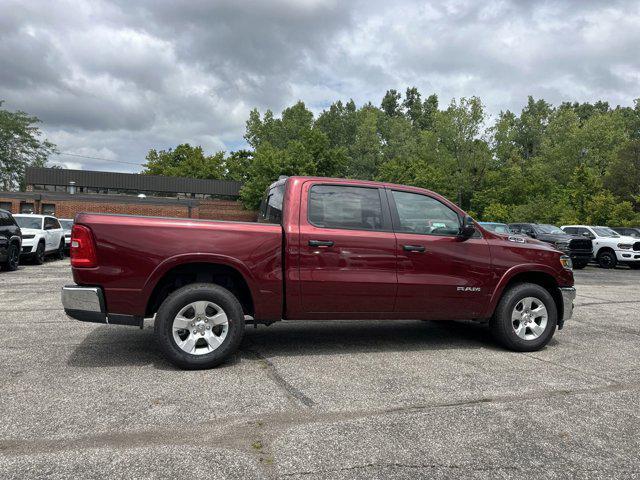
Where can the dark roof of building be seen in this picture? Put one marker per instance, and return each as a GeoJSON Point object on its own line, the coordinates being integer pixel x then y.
{"type": "Point", "coordinates": [130, 181]}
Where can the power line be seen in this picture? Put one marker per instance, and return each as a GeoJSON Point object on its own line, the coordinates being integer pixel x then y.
{"type": "Point", "coordinates": [98, 158]}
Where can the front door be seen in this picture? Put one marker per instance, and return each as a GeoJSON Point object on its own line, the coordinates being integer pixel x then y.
{"type": "Point", "coordinates": [347, 261]}
{"type": "Point", "coordinates": [440, 276]}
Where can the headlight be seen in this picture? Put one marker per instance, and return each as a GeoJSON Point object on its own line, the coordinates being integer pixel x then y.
{"type": "Point", "coordinates": [625, 246]}
{"type": "Point", "coordinates": [28, 237]}
{"type": "Point", "coordinates": [566, 262]}
{"type": "Point", "coordinates": [562, 245]}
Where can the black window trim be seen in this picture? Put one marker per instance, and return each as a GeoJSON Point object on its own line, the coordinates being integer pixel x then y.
{"type": "Point", "coordinates": [386, 214]}
{"type": "Point", "coordinates": [395, 217]}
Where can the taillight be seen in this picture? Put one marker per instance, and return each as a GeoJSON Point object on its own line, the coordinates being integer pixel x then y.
{"type": "Point", "coordinates": [83, 248]}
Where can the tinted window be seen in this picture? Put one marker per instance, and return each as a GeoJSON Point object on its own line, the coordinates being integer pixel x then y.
{"type": "Point", "coordinates": [423, 214]}
{"type": "Point", "coordinates": [4, 219]}
{"type": "Point", "coordinates": [49, 223]}
{"type": "Point", "coordinates": [341, 206]}
{"type": "Point", "coordinates": [271, 205]}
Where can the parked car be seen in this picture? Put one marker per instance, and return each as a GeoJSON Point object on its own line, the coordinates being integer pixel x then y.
{"type": "Point", "coordinates": [41, 235]}
{"type": "Point", "coordinates": [10, 241]}
{"type": "Point", "coordinates": [323, 249]}
{"type": "Point", "coordinates": [609, 247]}
{"type": "Point", "coordinates": [67, 225]}
{"type": "Point", "coordinates": [578, 247]}
{"type": "Point", "coordinates": [627, 231]}
{"type": "Point", "coordinates": [496, 227]}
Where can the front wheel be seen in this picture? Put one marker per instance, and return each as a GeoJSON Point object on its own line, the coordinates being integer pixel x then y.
{"type": "Point", "coordinates": [13, 258]}
{"type": "Point", "coordinates": [580, 264]}
{"type": "Point", "coordinates": [607, 259]}
{"type": "Point", "coordinates": [199, 326]}
{"type": "Point", "coordinates": [525, 319]}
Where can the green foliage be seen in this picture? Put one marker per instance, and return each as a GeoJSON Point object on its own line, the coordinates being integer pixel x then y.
{"type": "Point", "coordinates": [184, 161]}
{"type": "Point", "coordinates": [20, 147]}
{"type": "Point", "coordinates": [578, 162]}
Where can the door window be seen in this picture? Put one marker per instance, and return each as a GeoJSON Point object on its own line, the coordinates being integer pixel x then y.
{"type": "Point", "coordinates": [347, 207]}
{"type": "Point", "coordinates": [49, 223]}
{"type": "Point", "coordinates": [424, 215]}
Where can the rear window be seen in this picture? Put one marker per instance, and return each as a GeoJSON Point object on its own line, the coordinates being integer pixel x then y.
{"type": "Point", "coordinates": [342, 206]}
{"type": "Point", "coordinates": [271, 205]}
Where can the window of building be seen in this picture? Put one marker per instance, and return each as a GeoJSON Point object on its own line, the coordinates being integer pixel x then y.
{"type": "Point", "coordinates": [26, 207]}
{"type": "Point", "coordinates": [6, 206]}
{"type": "Point", "coordinates": [342, 206]}
{"type": "Point", "coordinates": [424, 215]}
{"type": "Point", "coordinates": [48, 209]}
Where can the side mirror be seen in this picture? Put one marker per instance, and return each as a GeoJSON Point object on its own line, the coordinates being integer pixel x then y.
{"type": "Point", "coordinates": [467, 229]}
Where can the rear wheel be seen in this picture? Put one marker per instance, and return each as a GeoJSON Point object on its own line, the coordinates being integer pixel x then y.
{"type": "Point", "coordinates": [607, 259]}
{"type": "Point", "coordinates": [38, 257]}
{"type": "Point", "coordinates": [60, 251]}
{"type": "Point", "coordinates": [199, 326]}
{"type": "Point", "coordinates": [525, 319]}
{"type": "Point", "coordinates": [13, 258]}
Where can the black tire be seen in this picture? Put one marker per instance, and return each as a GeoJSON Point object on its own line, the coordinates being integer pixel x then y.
{"type": "Point", "coordinates": [634, 265]}
{"type": "Point", "coordinates": [580, 264]}
{"type": "Point", "coordinates": [60, 251]}
{"type": "Point", "coordinates": [183, 297]}
{"type": "Point", "coordinates": [13, 258]}
{"type": "Point", "coordinates": [607, 259]}
{"type": "Point", "coordinates": [38, 257]}
{"type": "Point", "coordinates": [502, 326]}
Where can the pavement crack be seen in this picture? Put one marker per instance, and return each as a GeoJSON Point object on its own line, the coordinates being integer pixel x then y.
{"type": "Point", "coordinates": [293, 393]}
{"type": "Point", "coordinates": [573, 369]}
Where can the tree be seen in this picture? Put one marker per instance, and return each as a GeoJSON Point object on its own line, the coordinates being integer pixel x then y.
{"type": "Point", "coordinates": [184, 161]}
{"type": "Point", "coordinates": [391, 103]}
{"type": "Point", "coordinates": [21, 146]}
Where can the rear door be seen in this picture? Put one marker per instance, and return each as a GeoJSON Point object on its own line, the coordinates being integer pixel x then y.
{"type": "Point", "coordinates": [440, 276]}
{"type": "Point", "coordinates": [347, 259]}
{"type": "Point", "coordinates": [49, 234]}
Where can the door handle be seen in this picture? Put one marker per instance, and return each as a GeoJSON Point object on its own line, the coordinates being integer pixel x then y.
{"type": "Point", "coordinates": [320, 243]}
{"type": "Point", "coordinates": [413, 248]}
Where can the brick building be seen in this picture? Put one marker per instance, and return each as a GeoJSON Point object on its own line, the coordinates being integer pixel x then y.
{"type": "Point", "coordinates": [64, 193]}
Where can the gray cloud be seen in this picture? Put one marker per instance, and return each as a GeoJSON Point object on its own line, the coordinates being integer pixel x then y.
{"type": "Point", "coordinates": [113, 79]}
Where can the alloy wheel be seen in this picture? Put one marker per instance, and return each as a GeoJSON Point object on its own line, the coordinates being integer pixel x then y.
{"type": "Point", "coordinates": [200, 327]}
{"type": "Point", "coordinates": [529, 318]}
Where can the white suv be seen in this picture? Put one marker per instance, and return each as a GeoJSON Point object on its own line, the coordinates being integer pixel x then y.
{"type": "Point", "coordinates": [609, 247]}
{"type": "Point", "coordinates": [41, 235]}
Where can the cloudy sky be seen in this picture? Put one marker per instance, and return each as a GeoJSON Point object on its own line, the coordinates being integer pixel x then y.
{"type": "Point", "coordinates": [112, 79]}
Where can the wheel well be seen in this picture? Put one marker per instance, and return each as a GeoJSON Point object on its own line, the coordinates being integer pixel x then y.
{"type": "Point", "coordinates": [605, 249]}
{"type": "Point", "coordinates": [186, 274]}
{"type": "Point", "coordinates": [546, 281]}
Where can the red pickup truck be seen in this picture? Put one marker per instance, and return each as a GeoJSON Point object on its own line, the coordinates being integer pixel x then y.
{"type": "Point", "coordinates": [322, 249]}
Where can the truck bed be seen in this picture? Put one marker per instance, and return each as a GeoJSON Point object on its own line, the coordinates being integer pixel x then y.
{"type": "Point", "coordinates": [136, 252]}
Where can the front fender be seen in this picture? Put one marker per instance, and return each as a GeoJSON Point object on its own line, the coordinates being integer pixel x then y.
{"type": "Point", "coordinates": [510, 274]}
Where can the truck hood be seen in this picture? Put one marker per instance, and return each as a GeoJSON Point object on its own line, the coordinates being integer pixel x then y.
{"type": "Point", "coordinates": [524, 240]}
{"type": "Point", "coordinates": [30, 231]}
{"type": "Point", "coordinates": [557, 237]}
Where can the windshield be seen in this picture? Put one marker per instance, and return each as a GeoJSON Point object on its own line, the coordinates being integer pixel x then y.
{"type": "Point", "coordinates": [66, 224]}
{"type": "Point", "coordinates": [551, 229]}
{"type": "Point", "coordinates": [497, 227]}
{"type": "Point", "coordinates": [605, 232]}
{"type": "Point", "coordinates": [29, 222]}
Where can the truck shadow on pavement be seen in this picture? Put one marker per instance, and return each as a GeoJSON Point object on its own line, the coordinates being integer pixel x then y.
{"type": "Point", "coordinates": [114, 346]}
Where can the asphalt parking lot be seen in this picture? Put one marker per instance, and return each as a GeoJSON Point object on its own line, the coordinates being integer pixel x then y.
{"type": "Point", "coordinates": [312, 400]}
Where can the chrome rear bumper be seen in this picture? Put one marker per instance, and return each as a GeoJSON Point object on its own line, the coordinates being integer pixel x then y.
{"type": "Point", "coordinates": [87, 305]}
